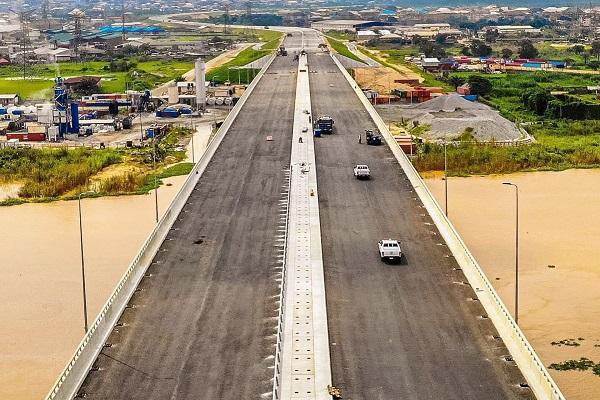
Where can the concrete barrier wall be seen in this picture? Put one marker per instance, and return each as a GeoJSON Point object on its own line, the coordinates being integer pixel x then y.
{"type": "Point", "coordinates": [68, 383]}
{"type": "Point", "coordinates": [521, 350]}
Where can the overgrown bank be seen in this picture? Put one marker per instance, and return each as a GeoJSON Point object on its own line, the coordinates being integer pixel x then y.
{"type": "Point", "coordinates": [54, 173]}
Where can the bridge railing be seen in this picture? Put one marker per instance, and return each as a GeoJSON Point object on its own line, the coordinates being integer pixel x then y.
{"type": "Point", "coordinates": [73, 375]}
{"type": "Point", "coordinates": [281, 311]}
{"type": "Point", "coordinates": [529, 363]}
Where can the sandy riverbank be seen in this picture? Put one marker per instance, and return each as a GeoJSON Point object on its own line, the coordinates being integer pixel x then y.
{"type": "Point", "coordinates": [559, 257]}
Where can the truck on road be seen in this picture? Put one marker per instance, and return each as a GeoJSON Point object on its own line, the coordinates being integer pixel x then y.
{"type": "Point", "coordinates": [372, 138]}
{"type": "Point", "coordinates": [323, 124]}
{"type": "Point", "coordinates": [362, 171]}
{"type": "Point", "coordinates": [389, 249]}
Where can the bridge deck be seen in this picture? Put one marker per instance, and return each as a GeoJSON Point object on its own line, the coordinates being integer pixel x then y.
{"type": "Point", "coordinates": [203, 325]}
{"type": "Point", "coordinates": [396, 331]}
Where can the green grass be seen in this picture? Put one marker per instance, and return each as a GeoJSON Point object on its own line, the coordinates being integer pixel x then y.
{"type": "Point", "coordinates": [29, 89]}
{"type": "Point", "coordinates": [341, 48]}
{"type": "Point", "coordinates": [148, 75]}
{"type": "Point", "coordinates": [340, 35]}
{"type": "Point", "coordinates": [246, 56]}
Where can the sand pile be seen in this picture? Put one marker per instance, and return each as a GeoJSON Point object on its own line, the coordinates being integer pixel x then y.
{"type": "Point", "coordinates": [451, 115]}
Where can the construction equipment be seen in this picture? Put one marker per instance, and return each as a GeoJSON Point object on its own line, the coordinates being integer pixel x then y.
{"type": "Point", "coordinates": [282, 51]}
{"type": "Point", "coordinates": [372, 138]}
{"type": "Point", "coordinates": [323, 124]}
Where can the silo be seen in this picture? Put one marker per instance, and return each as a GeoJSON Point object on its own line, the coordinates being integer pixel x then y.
{"type": "Point", "coordinates": [200, 84]}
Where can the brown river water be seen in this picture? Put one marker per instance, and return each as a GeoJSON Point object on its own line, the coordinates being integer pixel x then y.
{"type": "Point", "coordinates": [559, 283]}
{"type": "Point", "coordinates": [41, 307]}
{"type": "Point", "coordinates": [41, 315]}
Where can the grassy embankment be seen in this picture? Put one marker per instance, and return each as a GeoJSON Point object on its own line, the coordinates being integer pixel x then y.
{"type": "Point", "coordinates": [145, 74]}
{"type": "Point", "coordinates": [220, 74]}
{"type": "Point", "coordinates": [341, 48]}
{"type": "Point", "coordinates": [48, 174]}
{"type": "Point", "coordinates": [561, 143]}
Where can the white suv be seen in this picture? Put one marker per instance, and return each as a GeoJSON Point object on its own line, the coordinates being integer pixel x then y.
{"type": "Point", "coordinates": [389, 249]}
{"type": "Point", "coordinates": [362, 171]}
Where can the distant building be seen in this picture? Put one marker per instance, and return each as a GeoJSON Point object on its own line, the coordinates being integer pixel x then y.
{"type": "Point", "coordinates": [9, 99]}
{"type": "Point", "coordinates": [366, 35]}
{"type": "Point", "coordinates": [352, 25]}
{"type": "Point", "coordinates": [513, 30]}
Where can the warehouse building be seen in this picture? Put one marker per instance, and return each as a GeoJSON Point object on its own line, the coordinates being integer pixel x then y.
{"type": "Point", "coordinates": [342, 25]}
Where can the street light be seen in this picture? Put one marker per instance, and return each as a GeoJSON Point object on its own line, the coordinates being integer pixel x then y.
{"type": "Point", "coordinates": [193, 132]}
{"type": "Point", "coordinates": [516, 250]}
{"type": "Point", "coordinates": [85, 314]}
{"type": "Point", "coordinates": [445, 178]}
{"type": "Point", "coordinates": [155, 177]}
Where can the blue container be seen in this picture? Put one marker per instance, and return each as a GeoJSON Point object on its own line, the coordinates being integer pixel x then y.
{"type": "Point", "coordinates": [17, 112]}
{"type": "Point", "coordinates": [186, 111]}
{"type": "Point", "coordinates": [3, 111]}
{"type": "Point", "coordinates": [470, 97]}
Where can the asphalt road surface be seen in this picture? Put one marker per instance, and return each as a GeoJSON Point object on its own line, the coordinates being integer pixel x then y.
{"type": "Point", "coordinates": [408, 331]}
{"type": "Point", "coordinates": [203, 322]}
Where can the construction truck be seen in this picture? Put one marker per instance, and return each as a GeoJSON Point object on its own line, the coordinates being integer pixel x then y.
{"type": "Point", "coordinates": [372, 138]}
{"type": "Point", "coordinates": [282, 51]}
{"type": "Point", "coordinates": [324, 47]}
{"type": "Point", "coordinates": [323, 124]}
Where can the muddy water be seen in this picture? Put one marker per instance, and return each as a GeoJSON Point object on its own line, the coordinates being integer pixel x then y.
{"type": "Point", "coordinates": [559, 257]}
{"type": "Point", "coordinates": [41, 309]}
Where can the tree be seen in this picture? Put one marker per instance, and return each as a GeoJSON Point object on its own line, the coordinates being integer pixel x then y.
{"type": "Point", "coordinates": [507, 53]}
{"type": "Point", "coordinates": [86, 87]}
{"type": "Point", "coordinates": [441, 39]}
{"type": "Point", "coordinates": [537, 99]}
{"type": "Point", "coordinates": [465, 51]}
{"type": "Point", "coordinates": [527, 49]}
{"type": "Point", "coordinates": [595, 51]}
{"type": "Point", "coordinates": [578, 49]}
{"type": "Point", "coordinates": [491, 35]}
{"type": "Point", "coordinates": [480, 49]}
{"type": "Point", "coordinates": [432, 50]}
{"type": "Point", "coordinates": [456, 81]}
{"type": "Point", "coordinates": [479, 85]}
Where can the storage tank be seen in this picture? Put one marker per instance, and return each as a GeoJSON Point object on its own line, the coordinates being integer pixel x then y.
{"type": "Point", "coordinates": [219, 101]}
{"type": "Point", "coordinates": [210, 101]}
{"type": "Point", "coordinates": [228, 100]}
{"type": "Point", "coordinates": [200, 84]}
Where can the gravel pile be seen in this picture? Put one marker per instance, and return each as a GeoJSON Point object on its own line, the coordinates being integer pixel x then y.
{"type": "Point", "coordinates": [450, 115]}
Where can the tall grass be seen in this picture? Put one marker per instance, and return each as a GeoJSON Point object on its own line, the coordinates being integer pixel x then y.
{"type": "Point", "coordinates": [52, 172]}
{"type": "Point", "coordinates": [475, 159]}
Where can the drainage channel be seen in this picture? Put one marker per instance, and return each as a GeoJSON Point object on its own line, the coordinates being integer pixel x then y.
{"type": "Point", "coordinates": [303, 368]}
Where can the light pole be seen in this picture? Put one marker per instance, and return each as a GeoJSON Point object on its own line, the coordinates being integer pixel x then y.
{"type": "Point", "coordinates": [85, 313]}
{"type": "Point", "coordinates": [193, 132]}
{"type": "Point", "coordinates": [516, 250]}
{"type": "Point", "coordinates": [155, 177]}
{"type": "Point", "coordinates": [445, 178]}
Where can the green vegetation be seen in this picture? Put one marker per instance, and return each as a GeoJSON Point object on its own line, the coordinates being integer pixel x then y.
{"type": "Point", "coordinates": [52, 173]}
{"type": "Point", "coordinates": [29, 89]}
{"type": "Point", "coordinates": [340, 35]}
{"type": "Point", "coordinates": [583, 364]}
{"type": "Point", "coordinates": [138, 74]}
{"type": "Point", "coordinates": [246, 56]}
{"type": "Point", "coordinates": [341, 48]}
{"type": "Point", "coordinates": [560, 143]}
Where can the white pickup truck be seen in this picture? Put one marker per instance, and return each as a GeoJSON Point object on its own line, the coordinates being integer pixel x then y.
{"type": "Point", "coordinates": [362, 171]}
{"type": "Point", "coordinates": [389, 249]}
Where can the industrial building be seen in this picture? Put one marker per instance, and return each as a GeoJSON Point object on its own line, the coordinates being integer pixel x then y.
{"type": "Point", "coordinates": [351, 25]}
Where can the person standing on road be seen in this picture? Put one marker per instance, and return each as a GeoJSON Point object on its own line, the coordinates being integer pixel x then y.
{"type": "Point", "coordinates": [359, 138]}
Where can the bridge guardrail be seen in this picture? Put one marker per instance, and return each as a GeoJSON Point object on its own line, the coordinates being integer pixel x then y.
{"type": "Point", "coordinates": [529, 363]}
{"type": "Point", "coordinates": [73, 375]}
